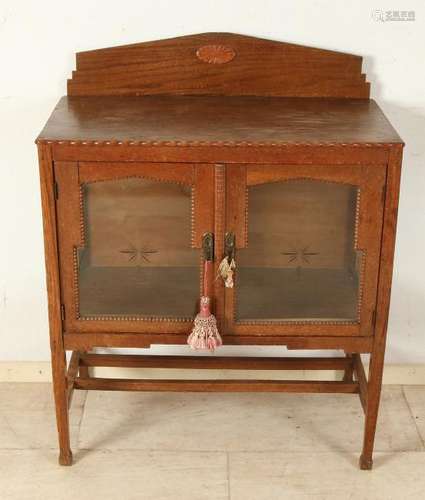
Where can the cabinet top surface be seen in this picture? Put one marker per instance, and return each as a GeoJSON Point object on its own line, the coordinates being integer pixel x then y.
{"type": "Point", "coordinates": [238, 120]}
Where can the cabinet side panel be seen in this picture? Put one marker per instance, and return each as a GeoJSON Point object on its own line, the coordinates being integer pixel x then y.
{"type": "Point", "coordinates": [387, 248]}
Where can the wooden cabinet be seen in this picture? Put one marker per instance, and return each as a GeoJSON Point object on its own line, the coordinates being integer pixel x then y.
{"type": "Point", "coordinates": [274, 149]}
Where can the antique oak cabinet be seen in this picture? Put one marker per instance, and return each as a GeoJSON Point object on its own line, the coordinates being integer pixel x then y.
{"type": "Point", "coordinates": [274, 150]}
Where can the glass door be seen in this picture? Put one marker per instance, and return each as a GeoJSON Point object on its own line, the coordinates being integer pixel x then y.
{"type": "Point", "coordinates": [130, 239]}
{"type": "Point", "coordinates": [307, 240]}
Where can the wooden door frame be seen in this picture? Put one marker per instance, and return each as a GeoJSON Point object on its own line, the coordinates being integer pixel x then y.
{"type": "Point", "coordinates": [371, 181]}
{"type": "Point", "coordinates": [69, 206]}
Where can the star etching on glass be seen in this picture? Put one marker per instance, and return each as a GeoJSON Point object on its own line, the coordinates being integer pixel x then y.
{"type": "Point", "coordinates": [138, 255]}
{"type": "Point", "coordinates": [301, 255]}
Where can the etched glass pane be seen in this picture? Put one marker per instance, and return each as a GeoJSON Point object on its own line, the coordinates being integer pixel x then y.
{"type": "Point", "coordinates": [137, 260]}
{"type": "Point", "coordinates": [300, 263]}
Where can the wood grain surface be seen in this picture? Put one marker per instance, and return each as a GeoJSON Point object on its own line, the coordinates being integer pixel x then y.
{"type": "Point", "coordinates": [219, 115]}
{"type": "Point", "coordinates": [217, 121]}
{"type": "Point", "coordinates": [191, 65]}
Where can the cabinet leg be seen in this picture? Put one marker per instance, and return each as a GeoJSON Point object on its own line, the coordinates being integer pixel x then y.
{"type": "Point", "coordinates": [83, 371]}
{"type": "Point", "coordinates": [60, 390]}
{"type": "Point", "coordinates": [348, 372]}
{"type": "Point", "coordinates": [373, 397]}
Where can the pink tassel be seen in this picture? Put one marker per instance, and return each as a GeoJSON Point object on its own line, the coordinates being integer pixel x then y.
{"type": "Point", "coordinates": [205, 334]}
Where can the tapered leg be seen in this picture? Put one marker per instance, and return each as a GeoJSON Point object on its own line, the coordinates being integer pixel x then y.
{"type": "Point", "coordinates": [373, 397]}
{"type": "Point", "coordinates": [54, 301]}
{"type": "Point", "coordinates": [376, 364]}
{"type": "Point", "coordinates": [60, 390]}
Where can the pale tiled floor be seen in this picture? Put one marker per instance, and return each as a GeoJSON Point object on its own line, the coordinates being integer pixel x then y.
{"type": "Point", "coordinates": [210, 446]}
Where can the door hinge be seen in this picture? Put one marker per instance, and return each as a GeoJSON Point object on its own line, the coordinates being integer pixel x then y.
{"type": "Point", "coordinates": [62, 312]}
{"type": "Point", "coordinates": [56, 189]}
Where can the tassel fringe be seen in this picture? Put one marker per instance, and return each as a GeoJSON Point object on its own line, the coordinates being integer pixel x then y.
{"type": "Point", "coordinates": [205, 335]}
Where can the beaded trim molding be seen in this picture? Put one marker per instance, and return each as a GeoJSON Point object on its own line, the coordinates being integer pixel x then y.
{"type": "Point", "coordinates": [362, 267]}
{"type": "Point", "coordinates": [216, 143]}
{"type": "Point", "coordinates": [76, 285]}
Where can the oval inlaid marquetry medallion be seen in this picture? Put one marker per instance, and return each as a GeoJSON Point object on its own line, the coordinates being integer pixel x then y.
{"type": "Point", "coordinates": [215, 54]}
